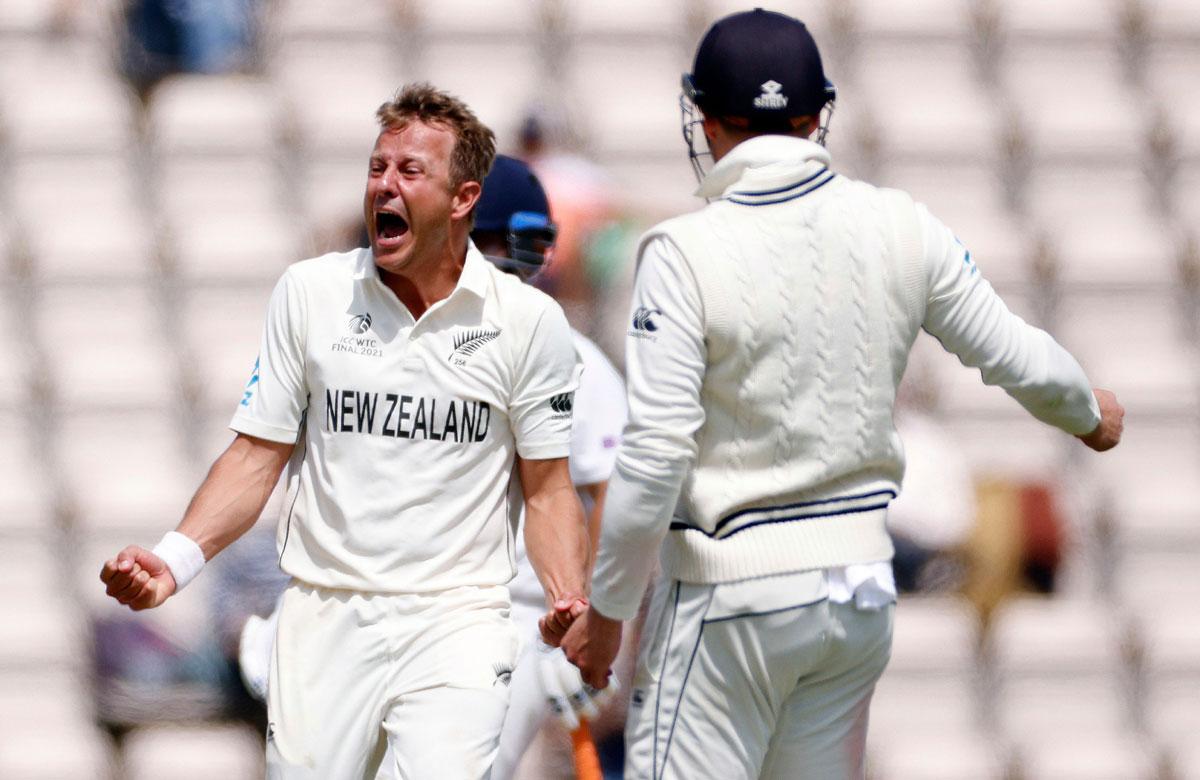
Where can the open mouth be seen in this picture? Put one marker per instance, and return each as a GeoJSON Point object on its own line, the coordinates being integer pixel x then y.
{"type": "Point", "coordinates": [389, 226]}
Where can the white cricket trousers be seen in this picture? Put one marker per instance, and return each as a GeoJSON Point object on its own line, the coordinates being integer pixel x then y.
{"type": "Point", "coordinates": [527, 707]}
{"type": "Point", "coordinates": [353, 672]}
{"type": "Point", "coordinates": [734, 681]}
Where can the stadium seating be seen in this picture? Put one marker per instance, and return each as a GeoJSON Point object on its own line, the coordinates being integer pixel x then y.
{"type": "Point", "coordinates": [500, 95]}
{"type": "Point", "coordinates": [512, 20]}
{"type": "Point", "coordinates": [647, 123]}
{"type": "Point", "coordinates": [123, 321]}
{"type": "Point", "coordinates": [967, 197]}
{"type": "Point", "coordinates": [937, 755]}
{"type": "Point", "coordinates": [878, 21]}
{"type": "Point", "coordinates": [83, 218]}
{"type": "Point", "coordinates": [331, 88]}
{"type": "Point", "coordinates": [195, 753]}
{"type": "Point", "coordinates": [127, 470]}
{"type": "Point", "coordinates": [338, 19]}
{"type": "Point", "coordinates": [48, 733]}
{"type": "Point", "coordinates": [202, 114]}
{"type": "Point", "coordinates": [1151, 484]}
{"type": "Point", "coordinates": [223, 350]}
{"type": "Point", "coordinates": [60, 107]}
{"type": "Point", "coordinates": [627, 20]}
{"type": "Point", "coordinates": [1060, 141]}
{"type": "Point", "coordinates": [966, 126]}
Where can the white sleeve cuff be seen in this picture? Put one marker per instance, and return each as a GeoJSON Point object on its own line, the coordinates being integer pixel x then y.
{"type": "Point", "coordinates": [183, 557]}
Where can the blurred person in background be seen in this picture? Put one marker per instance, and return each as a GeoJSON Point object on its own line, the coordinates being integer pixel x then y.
{"type": "Point", "coordinates": [514, 231]}
{"type": "Point", "coordinates": [582, 195]}
{"type": "Point", "coordinates": [768, 333]}
{"type": "Point", "coordinates": [407, 385]}
{"type": "Point", "coordinates": [162, 37]}
{"type": "Point", "coordinates": [932, 519]}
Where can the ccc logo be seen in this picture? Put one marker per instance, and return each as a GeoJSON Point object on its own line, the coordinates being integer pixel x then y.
{"type": "Point", "coordinates": [562, 403]}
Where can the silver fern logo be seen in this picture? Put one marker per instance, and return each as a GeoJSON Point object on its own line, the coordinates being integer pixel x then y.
{"type": "Point", "coordinates": [469, 342]}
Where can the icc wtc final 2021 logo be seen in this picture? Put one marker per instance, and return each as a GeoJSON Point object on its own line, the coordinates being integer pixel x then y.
{"type": "Point", "coordinates": [359, 343]}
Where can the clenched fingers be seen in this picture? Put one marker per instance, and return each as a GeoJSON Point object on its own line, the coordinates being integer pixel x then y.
{"type": "Point", "coordinates": [134, 589]}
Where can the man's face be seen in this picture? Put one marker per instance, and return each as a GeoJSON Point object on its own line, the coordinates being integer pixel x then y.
{"type": "Point", "coordinates": [409, 201]}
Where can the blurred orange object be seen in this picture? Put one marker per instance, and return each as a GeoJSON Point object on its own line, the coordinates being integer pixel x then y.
{"type": "Point", "coordinates": [587, 760]}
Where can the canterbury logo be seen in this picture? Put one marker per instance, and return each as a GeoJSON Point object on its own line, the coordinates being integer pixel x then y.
{"type": "Point", "coordinates": [469, 341]}
{"type": "Point", "coordinates": [642, 321]}
{"type": "Point", "coordinates": [563, 402]}
{"type": "Point", "coordinates": [771, 97]}
{"type": "Point", "coordinates": [360, 323]}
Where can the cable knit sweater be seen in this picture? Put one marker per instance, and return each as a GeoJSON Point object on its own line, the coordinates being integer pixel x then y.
{"type": "Point", "coordinates": [768, 335]}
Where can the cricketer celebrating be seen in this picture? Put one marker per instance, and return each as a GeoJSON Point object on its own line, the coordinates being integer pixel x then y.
{"type": "Point", "coordinates": [514, 231]}
{"type": "Point", "coordinates": [769, 333]}
{"type": "Point", "coordinates": [399, 384]}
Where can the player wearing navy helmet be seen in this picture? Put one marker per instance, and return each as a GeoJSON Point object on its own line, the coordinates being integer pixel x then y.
{"type": "Point", "coordinates": [514, 231]}
{"type": "Point", "coordinates": [768, 334]}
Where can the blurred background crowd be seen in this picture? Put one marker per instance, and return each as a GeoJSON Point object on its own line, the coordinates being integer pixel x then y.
{"type": "Point", "coordinates": [161, 162]}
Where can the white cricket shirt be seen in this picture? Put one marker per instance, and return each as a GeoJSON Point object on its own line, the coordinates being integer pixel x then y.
{"type": "Point", "coordinates": [406, 431]}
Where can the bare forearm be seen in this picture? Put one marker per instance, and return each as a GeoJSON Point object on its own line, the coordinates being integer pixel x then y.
{"type": "Point", "coordinates": [556, 542]}
{"type": "Point", "coordinates": [233, 495]}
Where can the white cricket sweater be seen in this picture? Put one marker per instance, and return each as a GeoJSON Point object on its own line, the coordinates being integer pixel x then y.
{"type": "Point", "coordinates": [769, 332]}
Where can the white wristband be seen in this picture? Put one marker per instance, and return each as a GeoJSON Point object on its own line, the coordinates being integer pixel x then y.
{"type": "Point", "coordinates": [183, 557]}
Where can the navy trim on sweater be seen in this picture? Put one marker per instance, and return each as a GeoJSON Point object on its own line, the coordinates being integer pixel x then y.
{"type": "Point", "coordinates": [734, 198]}
{"type": "Point", "coordinates": [716, 533]}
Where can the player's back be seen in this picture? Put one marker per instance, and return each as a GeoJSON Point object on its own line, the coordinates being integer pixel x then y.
{"type": "Point", "coordinates": [811, 289]}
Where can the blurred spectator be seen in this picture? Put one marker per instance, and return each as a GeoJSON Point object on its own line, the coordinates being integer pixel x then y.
{"type": "Point", "coordinates": [581, 197]}
{"type": "Point", "coordinates": [931, 519]}
{"type": "Point", "coordinates": [186, 36]}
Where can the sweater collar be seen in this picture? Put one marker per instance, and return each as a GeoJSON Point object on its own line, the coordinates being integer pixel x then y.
{"type": "Point", "coordinates": [762, 163]}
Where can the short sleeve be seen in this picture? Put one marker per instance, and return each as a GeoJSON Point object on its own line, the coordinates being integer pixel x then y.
{"type": "Point", "coordinates": [543, 397]}
{"type": "Point", "coordinates": [276, 396]}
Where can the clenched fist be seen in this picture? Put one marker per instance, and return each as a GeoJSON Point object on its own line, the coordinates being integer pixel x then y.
{"type": "Point", "coordinates": [137, 578]}
{"type": "Point", "coordinates": [1112, 423]}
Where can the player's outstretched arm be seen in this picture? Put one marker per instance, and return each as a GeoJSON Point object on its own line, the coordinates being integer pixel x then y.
{"type": "Point", "coordinates": [225, 506]}
{"type": "Point", "coordinates": [1112, 423]}
{"type": "Point", "coordinates": [556, 540]}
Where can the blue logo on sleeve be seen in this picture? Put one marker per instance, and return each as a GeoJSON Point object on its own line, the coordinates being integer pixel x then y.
{"type": "Point", "coordinates": [249, 393]}
{"type": "Point", "coordinates": [644, 325]}
{"type": "Point", "coordinates": [642, 319]}
{"type": "Point", "coordinates": [967, 256]}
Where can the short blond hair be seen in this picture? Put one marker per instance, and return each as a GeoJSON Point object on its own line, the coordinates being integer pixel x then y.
{"type": "Point", "coordinates": [474, 142]}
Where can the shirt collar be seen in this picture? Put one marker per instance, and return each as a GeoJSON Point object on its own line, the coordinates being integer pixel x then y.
{"type": "Point", "coordinates": [764, 161]}
{"type": "Point", "coordinates": [476, 272]}
{"type": "Point", "coordinates": [474, 277]}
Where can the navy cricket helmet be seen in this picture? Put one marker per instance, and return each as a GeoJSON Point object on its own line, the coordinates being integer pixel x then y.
{"type": "Point", "coordinates": [513, 204]}
{"type": "Point", "coordinates": [760, 68]}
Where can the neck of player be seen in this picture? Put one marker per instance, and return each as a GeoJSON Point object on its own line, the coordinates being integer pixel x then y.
{"type": "Point", "coordinates": [430, 278]}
